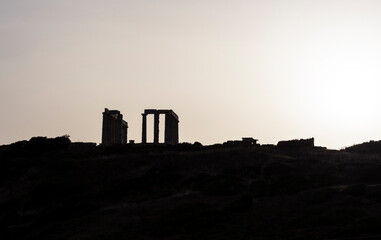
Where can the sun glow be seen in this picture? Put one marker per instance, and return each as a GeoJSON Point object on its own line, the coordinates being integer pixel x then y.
{"type": "Point", "coordinates": [346, 86]}
{"type": "Point", "coordinates": [336, 75]}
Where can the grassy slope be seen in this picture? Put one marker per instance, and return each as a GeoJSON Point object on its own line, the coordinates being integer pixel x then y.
{"type": "Point", "coordinates": [190, 192]}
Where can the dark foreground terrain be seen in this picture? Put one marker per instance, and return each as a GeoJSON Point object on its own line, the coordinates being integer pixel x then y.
{"type": "Point", "coordinates": [51, 190]}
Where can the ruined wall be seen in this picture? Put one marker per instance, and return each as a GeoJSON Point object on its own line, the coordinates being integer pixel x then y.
{"type": "Point", "coordinates": [171, 129]}
{"type": "Point", "coordinates": [114, 128]}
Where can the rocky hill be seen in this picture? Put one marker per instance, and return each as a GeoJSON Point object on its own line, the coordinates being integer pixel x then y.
{"type": "Point", "coordinates": [51, 189]}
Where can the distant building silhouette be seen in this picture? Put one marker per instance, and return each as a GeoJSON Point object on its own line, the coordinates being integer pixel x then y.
{"type": "Point", "coordinates": [171, 134]}
{"type": "Point", "coordinates": [297, 144]}
{"type": "Point", "coordinates": [114, 128]}
{"type": "Point", "coordinates": [246, 141]}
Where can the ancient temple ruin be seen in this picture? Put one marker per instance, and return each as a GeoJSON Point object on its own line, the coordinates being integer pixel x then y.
{"type": "Point", "coordinates": [171, 133]}
{"type": "Point", "coordinates": [114, 128]}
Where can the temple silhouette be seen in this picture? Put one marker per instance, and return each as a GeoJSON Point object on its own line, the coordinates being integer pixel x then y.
{"type": "Point", "coordinates": [114, 128]}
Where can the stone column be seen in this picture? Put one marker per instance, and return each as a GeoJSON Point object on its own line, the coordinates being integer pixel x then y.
{"type": "Point", "coordinates": [167, 129]}
{"type": "Point", "coordinates": [144, 128]}
{"type": "Point", "coordinates": [156, 128]}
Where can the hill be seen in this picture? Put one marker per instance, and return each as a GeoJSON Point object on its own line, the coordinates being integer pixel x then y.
{"type": "Point", "coordinates": [53, 190]}
{"type": "Point", "coordinates": [371, 147]}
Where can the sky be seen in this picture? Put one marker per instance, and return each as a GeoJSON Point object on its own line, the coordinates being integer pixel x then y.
{"type": "Point", "coordinates": [269, 69]}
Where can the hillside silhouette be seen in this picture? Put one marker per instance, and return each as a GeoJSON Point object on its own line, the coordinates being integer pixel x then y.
{"type": "Point", "coordinates": [55, 189]}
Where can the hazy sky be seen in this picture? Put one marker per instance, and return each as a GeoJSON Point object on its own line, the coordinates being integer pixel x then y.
{"type": "Point", "coordinates": [271, 69]}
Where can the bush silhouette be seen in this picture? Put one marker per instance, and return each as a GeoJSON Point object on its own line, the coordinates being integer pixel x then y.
{"type": "Point", "coordinates": [40, 145]}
